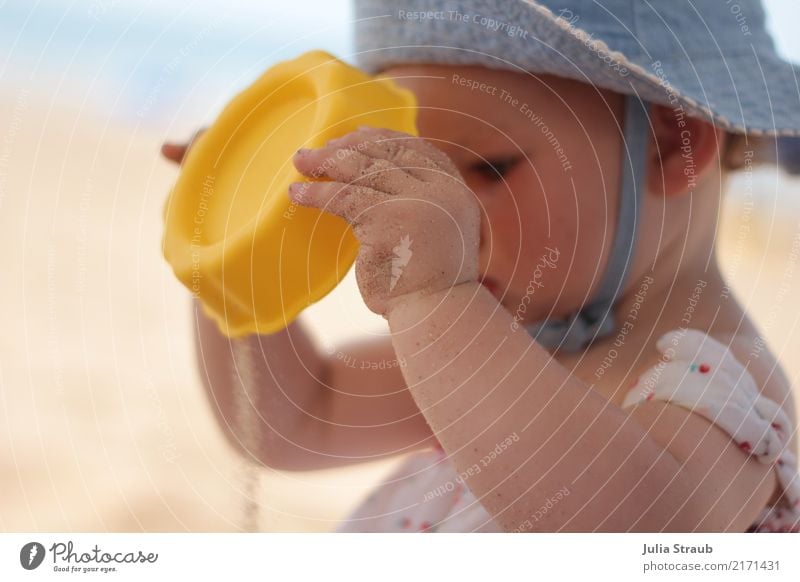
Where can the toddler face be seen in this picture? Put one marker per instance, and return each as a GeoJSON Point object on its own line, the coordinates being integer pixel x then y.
{"type": "Point", "coordinates": [542, 155]}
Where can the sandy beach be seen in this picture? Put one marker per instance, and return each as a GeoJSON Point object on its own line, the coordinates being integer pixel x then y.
{"type": "Point", "coordinates": [104, 425]}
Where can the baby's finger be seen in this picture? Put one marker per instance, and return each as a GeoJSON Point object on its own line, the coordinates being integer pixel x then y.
{"type": "Point", "coordinates": [397, 151]}
{"type": "Point", "coordinates": [176, 152]}
{"type": "Point", "coordinates": [345, 165]}
{"type": "Point", "coordinates": [173, 152]}
{"type": "Point", "coordinates": [423, 146]}
{"type": "Point", "coordinates": [348, 201]}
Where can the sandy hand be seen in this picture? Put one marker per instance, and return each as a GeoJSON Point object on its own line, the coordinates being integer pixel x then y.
{"type": "Point", "coordinates": [417, 222]}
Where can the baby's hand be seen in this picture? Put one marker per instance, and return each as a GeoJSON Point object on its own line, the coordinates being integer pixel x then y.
{"type": "Point", "coordinates": [417, 222]}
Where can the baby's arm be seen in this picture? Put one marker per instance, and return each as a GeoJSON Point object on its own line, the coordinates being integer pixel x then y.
{"type": "Point", "coordinates": [485, 385]}
{"type": "Point", "coordinates": [478, 379]}
{"type": "Point", "coordinates": [312, 411]}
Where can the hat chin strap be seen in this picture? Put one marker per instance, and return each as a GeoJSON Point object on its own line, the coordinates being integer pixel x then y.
{"type": "Point", "coordinates": [596, 320]}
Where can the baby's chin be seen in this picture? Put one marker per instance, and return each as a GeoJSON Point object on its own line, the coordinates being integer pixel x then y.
{"type": "Point", "coordinates": [501, 291]}
{"type": "Point", "coordinates": [525, 307]}
{"type": "Point", "coordinates": [492, 286]}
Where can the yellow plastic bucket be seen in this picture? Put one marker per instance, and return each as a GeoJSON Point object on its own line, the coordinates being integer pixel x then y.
{"type": "Point", "coordinates": [231, 235]}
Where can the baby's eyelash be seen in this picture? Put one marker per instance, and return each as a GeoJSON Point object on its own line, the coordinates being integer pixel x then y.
{"type": "Point", "coordinates": [495, 169]}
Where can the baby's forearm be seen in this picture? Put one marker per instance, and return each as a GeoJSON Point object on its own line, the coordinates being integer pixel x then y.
{"type": "Point", "coordinates": [264, 389]}
{"type": "Point", "coordinates": [520, 429]}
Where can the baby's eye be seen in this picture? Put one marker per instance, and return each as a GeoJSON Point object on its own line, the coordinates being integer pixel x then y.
{"type": "Point", "coordinates": [495, 170]}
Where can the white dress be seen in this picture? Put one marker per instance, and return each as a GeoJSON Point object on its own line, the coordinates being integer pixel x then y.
{"type": "Point", "coordinates": [695, 371]}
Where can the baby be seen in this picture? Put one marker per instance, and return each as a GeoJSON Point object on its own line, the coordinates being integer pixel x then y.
{"type": "Point", "coordinates": [570, 356]}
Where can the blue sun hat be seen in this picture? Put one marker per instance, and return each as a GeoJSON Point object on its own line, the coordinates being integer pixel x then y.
{"type": "Point", "coordinates": [711, 59]}
{"type": "Point", "coordinates": [789, 154]}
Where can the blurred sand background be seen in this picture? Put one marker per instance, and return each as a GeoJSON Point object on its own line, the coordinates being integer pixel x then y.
{"type": "Point", "coordinates": [104, 425]}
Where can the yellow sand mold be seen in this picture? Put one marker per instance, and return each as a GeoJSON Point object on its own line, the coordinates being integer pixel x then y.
{"type": "Point", "coordinates": [232, 236]}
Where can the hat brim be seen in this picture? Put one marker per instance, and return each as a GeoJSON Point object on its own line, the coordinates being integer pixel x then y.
{"type": "Point", "coordinates": [752, 92]}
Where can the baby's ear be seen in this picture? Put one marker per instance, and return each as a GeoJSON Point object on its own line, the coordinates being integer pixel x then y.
{"type": "Point", "coordinates": [683, 150]}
